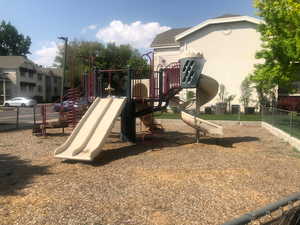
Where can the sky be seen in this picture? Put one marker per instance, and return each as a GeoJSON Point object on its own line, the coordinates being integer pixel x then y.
{"type": "Point", "coordinates": [134, 22]}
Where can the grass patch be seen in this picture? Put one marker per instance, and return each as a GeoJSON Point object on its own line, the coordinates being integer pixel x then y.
{"type": "Point", "coordinates": [234, 117]}
{"type": "Point", "coordinates": [283, 122]}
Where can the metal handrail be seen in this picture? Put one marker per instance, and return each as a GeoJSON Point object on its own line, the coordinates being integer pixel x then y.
{"type": "Point", "coordinates": [248, 217]}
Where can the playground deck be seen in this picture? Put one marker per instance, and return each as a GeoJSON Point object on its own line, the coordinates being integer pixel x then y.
{"type": "Point", "coordinates": [165, 180]}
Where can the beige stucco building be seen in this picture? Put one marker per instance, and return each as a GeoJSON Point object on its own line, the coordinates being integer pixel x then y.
{"type": "Point", "coordinates": [228, 44]}
{"type": "Point", "coordinates": [23, 78]}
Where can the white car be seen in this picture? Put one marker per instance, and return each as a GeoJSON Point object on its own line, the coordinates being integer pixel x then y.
{"type": "Point", "coordinates": [20, 101]}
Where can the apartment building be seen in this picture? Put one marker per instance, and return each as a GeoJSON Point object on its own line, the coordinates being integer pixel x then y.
{"type": "Point", "coordinates": [23, 78]}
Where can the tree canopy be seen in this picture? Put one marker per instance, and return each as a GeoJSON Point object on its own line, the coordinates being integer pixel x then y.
{"type": "Point", "coordinates": [110, 56]}
{"type": "Point", "coordinates": [281, 44]}
{"type": "Point", "coordinates": [12, 42]}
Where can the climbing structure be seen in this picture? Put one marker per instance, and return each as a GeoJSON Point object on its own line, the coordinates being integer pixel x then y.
{"type": "Point", "coordinates": [141, 93]}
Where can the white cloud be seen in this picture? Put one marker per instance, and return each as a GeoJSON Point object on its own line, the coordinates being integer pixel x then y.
{"type": "Point", "coordinates": [137, 34]}
{"type": "Point", "coordinates": [89, 27]}
{"type": "Point", "coordinates": [46, 54]}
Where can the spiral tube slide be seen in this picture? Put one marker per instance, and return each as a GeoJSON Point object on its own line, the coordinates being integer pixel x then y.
{"type": "Point", "coordinates": [207, 88]}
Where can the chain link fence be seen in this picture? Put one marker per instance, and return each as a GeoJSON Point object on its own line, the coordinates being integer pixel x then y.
{"type": "Point", "coordinates": [287, 121]}
{"type": "Point", "coordinates": [12, 118]}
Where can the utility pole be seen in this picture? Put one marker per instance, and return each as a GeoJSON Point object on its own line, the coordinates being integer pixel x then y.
{"type": "Point", "coordinates": [4, 86]}
{"type": "Point", "coordinates": [65, 39]}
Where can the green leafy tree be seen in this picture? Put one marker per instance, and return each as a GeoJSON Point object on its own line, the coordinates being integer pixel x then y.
{"type": "Point", "coordinates": [246, 92]}
{"type": "Point", "coordinates": [281, 45]}
{"type": "Point", "coordinates": [83, 55]}
{"type": "Point", "coordinates": [11, 42]}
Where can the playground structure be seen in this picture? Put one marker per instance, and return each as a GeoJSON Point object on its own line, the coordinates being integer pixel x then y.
{"type": "Point", "coordinates": [137, 94]}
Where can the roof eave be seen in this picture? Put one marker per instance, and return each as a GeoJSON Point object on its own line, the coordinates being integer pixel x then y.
{"type": "Point", "coordinates": [216, 21]}
{"type": "Point", "coordinates": [165, 46]}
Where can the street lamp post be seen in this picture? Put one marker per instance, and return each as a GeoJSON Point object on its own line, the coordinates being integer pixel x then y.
{"type": "Point", "coordinates": [65, 39]}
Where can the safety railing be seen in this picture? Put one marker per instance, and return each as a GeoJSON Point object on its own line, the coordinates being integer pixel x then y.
{"type": "Point", "coordinates": [283, 212]}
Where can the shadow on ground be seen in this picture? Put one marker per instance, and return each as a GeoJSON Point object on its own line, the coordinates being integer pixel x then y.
{"type": "Point", "coordinates": [227, 142]}
{"type": "Point", "coordinates": [158, 141]}
{"type": "Point", "coordinates": [12, 127]}
{"type": "Point", "coordinates": [15, 174]}
{"type": "Point", "coordinates": [149, 143]}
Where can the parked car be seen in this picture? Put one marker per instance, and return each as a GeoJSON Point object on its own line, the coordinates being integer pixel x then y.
{"type": "Point", "coordinates": [69, 105]}
{"type": "Point", "coordinates": [20, 101]}
{"type": "Point", "coordinates": [64, 106]}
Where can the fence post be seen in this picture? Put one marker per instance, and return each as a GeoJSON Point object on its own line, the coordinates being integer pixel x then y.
{"type": "Point", "coordinates": [262, 113]}
{"type": "Point", "coordinates": [17, 122]}
{"type": "Point", "coordinates": [291, 123]}
{"type": "Point", "coordinates": [239, 116]}
{"type": "Point", "coordinates": [34, 116]}
{"type": "Point", "coordinates": [272, 119]}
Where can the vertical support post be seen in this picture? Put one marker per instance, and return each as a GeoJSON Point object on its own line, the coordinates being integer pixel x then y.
{"type": "Point", "coordinates": [65, 39]}
{"type": "Point", "coordinates": [128, 120]}
{"type": "Point", "coordinates": [197, 113]}
{"type": "Point", "coordinates": [4, 90]}
{"type": "Point", "coordinates": [101, 85]}
{"type": "Point", "coordinates": [94, 83]}
{"type": "Point", "coordinates": [160, 83]}
{"type": "Point", "coordinates": [128, 94]}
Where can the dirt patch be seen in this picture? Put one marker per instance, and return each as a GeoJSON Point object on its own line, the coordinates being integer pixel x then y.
{"type": "Point", "coordinates": [167, 179]}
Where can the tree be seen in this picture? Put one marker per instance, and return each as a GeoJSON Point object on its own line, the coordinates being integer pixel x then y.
{"type": "Point", "coordinates": [11, 42]}
{"type": "Point", "coordinates": [246, 92]}
{"type": "Point", "coordinates": [281, 44]}
{"type": "Point", "coordinates": [229, 99]}
{"type": "Point", "coordinates": [222, 92]}
{"type": "Point", "coordinates": [82, 55]}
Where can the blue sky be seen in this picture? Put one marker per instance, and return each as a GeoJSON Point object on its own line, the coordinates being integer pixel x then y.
{"type": "Point", "coordinates": [123, 21]}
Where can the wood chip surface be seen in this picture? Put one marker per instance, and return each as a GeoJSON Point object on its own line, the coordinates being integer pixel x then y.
{"type": "Point", "coordinates": [166, 179]}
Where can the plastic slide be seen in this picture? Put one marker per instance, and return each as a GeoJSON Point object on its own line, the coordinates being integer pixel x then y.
{"type": "Point", "coordinates": [89, 135]}
{"type": "Point", "coordinates": [206, 127]}
{"type": "Point", "coordinates": [208, 89]}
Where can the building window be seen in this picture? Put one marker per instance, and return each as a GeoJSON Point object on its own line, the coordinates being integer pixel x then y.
{"type": "Point", "coordinates": [23, 87]}
{"type": "Point", "coordinates": [58, 80]}
{"type": "Point", "coordinates": [22, 72]}
{"type": "Point", "coordinates": [55, 90]}
{"type": "Point", "coordinates": [55, 80]}
{"type": "Point", "coordinates": [31, 74]}
{"type": "Point", "coordinates": [40, 89]}
{"type": "Point", "coordinates": [31, 88]}
{"type": "Point", "coordinates": [39, 76]}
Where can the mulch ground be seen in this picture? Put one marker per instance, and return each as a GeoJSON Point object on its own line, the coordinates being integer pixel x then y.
{"type": "Point", "coordinates": [167, 179]}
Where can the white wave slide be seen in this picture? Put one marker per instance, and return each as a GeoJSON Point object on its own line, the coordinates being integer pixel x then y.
{"type": "Point", "coordinates": [88, 137]}
{"type": "Point", "coordinates": [208, 88]}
